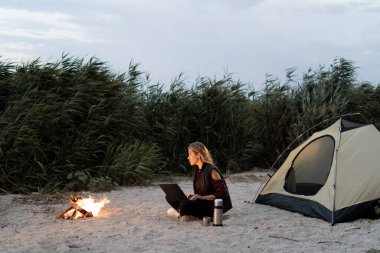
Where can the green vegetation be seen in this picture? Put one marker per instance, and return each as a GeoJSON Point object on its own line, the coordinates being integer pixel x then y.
{"type": "Point", "coordinates": [78, 125]}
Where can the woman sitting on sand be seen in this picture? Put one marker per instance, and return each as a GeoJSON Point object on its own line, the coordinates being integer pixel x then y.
{"type": "Point", "coordinates": [208, 184]}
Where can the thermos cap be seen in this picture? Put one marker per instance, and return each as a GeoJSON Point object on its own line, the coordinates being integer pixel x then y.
{"type": "Point", "coordinates": [218, 202]}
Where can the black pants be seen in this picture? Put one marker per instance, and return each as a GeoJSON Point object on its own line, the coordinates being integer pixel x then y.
{"type": "Point", "coordinates": [198, 208]}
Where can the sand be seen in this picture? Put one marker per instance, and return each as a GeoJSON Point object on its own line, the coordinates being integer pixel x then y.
{"type": "Point", "coordinates": [135, 220]}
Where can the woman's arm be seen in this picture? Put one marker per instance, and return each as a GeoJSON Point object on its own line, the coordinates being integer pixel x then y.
{"type": "Point", "coordinates": [206, 197]}
{"type": "Point", "coordinates": [215, 176]}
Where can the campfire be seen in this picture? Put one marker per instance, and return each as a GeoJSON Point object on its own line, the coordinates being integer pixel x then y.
{"type": "Point", "coordinates": [80, 208]}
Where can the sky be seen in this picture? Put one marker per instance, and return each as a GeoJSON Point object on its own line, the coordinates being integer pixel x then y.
{"type": "Point", "coordinates": [248, 39]}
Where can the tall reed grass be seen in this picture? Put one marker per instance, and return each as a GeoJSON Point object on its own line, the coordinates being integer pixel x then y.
{"type": "Point", "coordinates": [76, 124]}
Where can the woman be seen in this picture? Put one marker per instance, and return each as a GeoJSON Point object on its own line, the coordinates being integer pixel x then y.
{"type": "Point", "coordinates": [208, 185]}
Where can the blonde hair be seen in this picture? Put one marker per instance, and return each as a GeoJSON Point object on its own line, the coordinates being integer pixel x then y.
{"type": "Point", "coordinates": [200, 149]}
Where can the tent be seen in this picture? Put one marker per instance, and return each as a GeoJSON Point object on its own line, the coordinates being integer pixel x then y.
{"type": "Point", "coordinates": [334, 175]}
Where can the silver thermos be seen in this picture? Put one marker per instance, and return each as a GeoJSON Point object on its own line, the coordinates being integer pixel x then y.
{"type": "Point", "coordinates": [218, 212]}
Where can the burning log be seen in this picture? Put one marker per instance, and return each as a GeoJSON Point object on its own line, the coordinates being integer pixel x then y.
{"type": "Point", "coordinates": [80, 208]}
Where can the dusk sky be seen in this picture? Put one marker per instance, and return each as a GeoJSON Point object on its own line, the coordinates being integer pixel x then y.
{"type": "Point", "coordinates": [248, 38]}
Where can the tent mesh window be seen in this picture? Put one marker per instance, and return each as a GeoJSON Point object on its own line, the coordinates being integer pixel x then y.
{"type": "Point", "coordinates": [311, 167]}
{"type": "Point", "coordinates": [348, 125]}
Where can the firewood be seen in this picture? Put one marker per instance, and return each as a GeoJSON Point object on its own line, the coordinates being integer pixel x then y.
{"type": "Point", "coordinates": [69, 214]}
{"type": "Point", "coordinates": [75, 211]}
{"type": "Point", "coordinates": [76, 215]}
{"type": "Point", "coordinates": [77, 207]}
{"type": "Point", "coordinates": [89, 214]}
{"type": "Point", "coordinates": [63, 213]}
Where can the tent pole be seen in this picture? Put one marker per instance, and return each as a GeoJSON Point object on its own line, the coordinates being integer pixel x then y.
{"type": "Point", "coordinates": [335, 173]}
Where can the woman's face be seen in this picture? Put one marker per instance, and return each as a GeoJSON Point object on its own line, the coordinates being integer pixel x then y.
{"type": "Point", "coordinates": [193, 157]}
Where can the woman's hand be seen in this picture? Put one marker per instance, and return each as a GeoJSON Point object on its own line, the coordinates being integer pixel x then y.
{"type": "Point", "coordinates": [195, 197]}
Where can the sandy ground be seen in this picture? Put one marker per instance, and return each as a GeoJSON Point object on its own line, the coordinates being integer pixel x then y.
{"type": "Point", "coordinates": [135, 221]}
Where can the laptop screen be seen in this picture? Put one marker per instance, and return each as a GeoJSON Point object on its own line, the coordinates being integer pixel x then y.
{"type": "Point", "coordinates": [174, 194]}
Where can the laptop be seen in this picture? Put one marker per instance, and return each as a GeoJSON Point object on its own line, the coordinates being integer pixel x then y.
{"type": "Point", "coordinates": [174, 194]}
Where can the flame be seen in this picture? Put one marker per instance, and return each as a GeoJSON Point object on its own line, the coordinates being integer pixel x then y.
{"type": "Point", "coordinates": [90, 205]}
